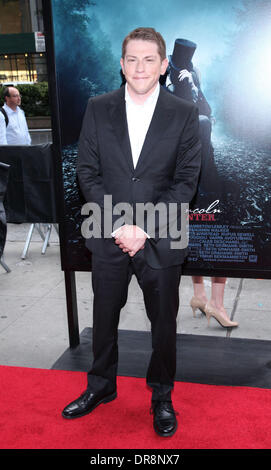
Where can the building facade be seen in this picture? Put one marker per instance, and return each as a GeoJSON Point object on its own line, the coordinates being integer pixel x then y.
{"type": "Point", "coordinates": [22, 44]}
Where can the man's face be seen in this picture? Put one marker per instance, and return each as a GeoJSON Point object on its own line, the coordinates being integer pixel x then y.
{"type": "Point", "coordinates": [14, 99]}
{"type": "Point", "coordinates": [142, 67]}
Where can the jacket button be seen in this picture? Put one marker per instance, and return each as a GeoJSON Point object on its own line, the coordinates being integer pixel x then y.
{"type": "Point", "coordinates": [135, 179]}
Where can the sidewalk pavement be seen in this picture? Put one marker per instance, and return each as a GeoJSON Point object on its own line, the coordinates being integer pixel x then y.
{"type": "Point", "coordinates": [33, 318]}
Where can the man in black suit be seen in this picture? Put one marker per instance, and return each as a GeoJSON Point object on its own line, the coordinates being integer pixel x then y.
{"type": "Point", "coordinates": [138, 144]}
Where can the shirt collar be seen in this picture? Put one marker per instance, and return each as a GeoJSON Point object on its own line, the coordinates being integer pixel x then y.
{"type": "Point", "coordinates": [149, 101]}
{"type": "Point", "coordinates": [9, 110]}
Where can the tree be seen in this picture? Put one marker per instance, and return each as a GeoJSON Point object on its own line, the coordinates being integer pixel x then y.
{"type": "Point", "coordinates": [84, 62]}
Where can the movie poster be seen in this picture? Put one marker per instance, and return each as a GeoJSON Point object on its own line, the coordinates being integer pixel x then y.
{"type": "Point", "coordinates": [219, 58]}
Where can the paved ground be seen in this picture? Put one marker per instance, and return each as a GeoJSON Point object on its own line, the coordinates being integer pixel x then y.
{"type": "Point", "coordinates": [33, 321]}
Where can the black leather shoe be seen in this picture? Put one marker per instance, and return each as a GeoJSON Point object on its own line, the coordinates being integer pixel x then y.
{"type": "Point", "coordinates": [164, 418]}
{"type": "Point", "coordinates": [86, 403]}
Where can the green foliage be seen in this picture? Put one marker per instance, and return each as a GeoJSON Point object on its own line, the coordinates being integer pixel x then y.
{"type": "Point", "coordinates": [35, 99]}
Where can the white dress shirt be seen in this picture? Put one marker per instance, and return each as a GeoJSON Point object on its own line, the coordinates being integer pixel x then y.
{"type": "Point", "coordinates": [16, 133]}
{"type": "Point", "coordinates": [138, 118]}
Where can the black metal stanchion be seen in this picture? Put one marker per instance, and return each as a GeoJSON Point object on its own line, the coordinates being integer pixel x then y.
{"type": "Point", "coordinates": [72, 310]}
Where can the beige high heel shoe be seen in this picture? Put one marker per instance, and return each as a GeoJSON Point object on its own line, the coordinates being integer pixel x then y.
{"type": "Point", "coordinates": [213, 312]}
{"type": "Point", "coordinates": [197, 303]}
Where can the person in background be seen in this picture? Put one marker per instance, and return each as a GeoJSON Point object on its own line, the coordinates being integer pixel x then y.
{"type": "Point", "coordinates": [13, 125]}
{"type": "Point", "coordinates": [215, 306]}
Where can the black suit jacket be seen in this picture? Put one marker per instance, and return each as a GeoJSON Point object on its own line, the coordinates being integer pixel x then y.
{"type": "Point", "coordinates": [167, 170]}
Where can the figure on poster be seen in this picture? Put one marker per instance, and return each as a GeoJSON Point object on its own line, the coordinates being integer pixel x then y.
{"type": "Point", "coordinates": [213, 308]}
{"type": "Point", "coordinates": [134, 165]}
{"type": "Point", "coordinates": [13, 125]}
{"type": "Point", "coordinates": [183, 80]}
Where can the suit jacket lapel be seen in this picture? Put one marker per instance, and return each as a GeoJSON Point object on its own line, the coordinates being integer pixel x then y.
{"type": "Point", "coordinates": [161, 118]}
{"type": "Point", "coordinates": [117, 113]}
{"type": "Point", "coordinates": [159, 123]}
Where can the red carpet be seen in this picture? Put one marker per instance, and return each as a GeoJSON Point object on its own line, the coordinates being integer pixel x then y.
{"type": "Point", "coordinates": [210, 417]}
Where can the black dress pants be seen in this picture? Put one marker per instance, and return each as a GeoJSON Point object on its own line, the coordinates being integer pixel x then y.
{"type": "Point", "coordinates": [160, 287]}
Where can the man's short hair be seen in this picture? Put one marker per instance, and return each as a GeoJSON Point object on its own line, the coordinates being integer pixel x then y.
{"type": "Point", "coordinates": [146, 34]}
{"type": "Point", "coordinates": [6, 91]}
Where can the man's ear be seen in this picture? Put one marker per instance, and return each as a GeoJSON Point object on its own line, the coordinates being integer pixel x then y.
{"type": "Point", "coordinates": [164, 66]}
{"type": "Point", "coordinates": [122, 65]}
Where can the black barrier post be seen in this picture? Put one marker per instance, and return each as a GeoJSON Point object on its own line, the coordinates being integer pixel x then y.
{"type": "Point", "coordinates": [72, 311]}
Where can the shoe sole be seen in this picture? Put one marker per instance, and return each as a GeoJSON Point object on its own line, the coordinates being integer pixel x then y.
{"type": "Point", "coordinates": [104, 400]}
